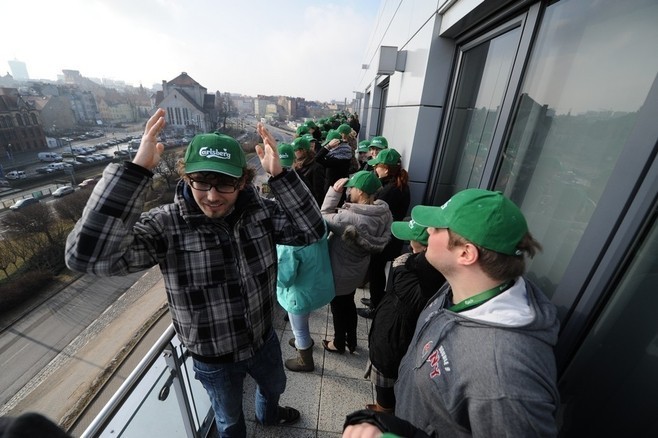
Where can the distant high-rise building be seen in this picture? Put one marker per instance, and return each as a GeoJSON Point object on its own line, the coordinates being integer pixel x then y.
{"type": "Point", "coordinates": [18, 70]}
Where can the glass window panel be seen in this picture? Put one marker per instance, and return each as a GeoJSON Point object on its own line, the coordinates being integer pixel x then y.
{"type": "Point", "coordinates": [382, 107]}
{"type": "Point", "coordinates": [610, 387]}
{"type": "Point", "coordinates": [197, 396]}
{"type": "Point", "coordinates": [143, 414]}
{"type": "Point", "coordinates": [590, 72]}
{"type": "Point", "coordinates": [483, 79]}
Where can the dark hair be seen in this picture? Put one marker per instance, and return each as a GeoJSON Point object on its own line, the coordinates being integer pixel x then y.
{"type": "Point", "coordinates": [247, 177]}
{"type": "Point", "coordinates": [497, 265]}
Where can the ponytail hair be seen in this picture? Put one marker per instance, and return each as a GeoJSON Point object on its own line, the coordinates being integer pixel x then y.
{"type": "Point", "coordinates": [399, 174]}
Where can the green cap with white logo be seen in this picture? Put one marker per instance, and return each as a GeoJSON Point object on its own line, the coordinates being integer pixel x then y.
{"type": "Point", "coordinates": [215, 152]}
{"type": "Point", "coordinates": [410, 230]}
{"type": "Point", "coordinates": [286, 154]}
{"type": "Point", "coordinates": [483, 217]}
{"type": "Point", "coordinates": [390, 157]}
{"type": "Point", "coordinates": [365, 181]}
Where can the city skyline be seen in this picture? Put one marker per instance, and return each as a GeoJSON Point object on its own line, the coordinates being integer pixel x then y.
{"type": "Point", "coordinates": [300, 49]}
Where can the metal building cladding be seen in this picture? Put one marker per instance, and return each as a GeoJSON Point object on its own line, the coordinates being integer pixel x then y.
{"type": "Point", "coordinates": [554, 104]}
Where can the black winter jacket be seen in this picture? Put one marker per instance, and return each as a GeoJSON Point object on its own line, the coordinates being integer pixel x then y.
{"type": "Point", "coordinates": [413, 281]}
{"type": "Point", "coordinates": [398, 201]}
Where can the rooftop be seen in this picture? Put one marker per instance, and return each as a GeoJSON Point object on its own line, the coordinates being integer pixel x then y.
{"type": "Point", "coordinates": [324, 397]}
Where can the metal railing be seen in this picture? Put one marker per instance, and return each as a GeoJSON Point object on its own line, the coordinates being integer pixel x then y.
{"type": "Point", "coordinates": [144, 405]}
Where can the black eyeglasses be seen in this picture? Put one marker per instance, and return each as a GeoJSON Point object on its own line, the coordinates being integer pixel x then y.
{"type": "Point", "coordinates": [222, 187]}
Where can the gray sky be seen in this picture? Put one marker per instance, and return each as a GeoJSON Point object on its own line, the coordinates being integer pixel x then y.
{"type": "Point", "coordinates": [311, 49]}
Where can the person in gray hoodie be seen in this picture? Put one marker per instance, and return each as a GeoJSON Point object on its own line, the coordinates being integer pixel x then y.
{"type": "Point", "coordinates": [361, 227]}
{"type": "Point", "coordinates": [481, 362]}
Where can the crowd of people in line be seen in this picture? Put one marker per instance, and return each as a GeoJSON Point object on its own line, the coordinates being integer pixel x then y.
{"type": "Point", "coordinates": [461, 342]}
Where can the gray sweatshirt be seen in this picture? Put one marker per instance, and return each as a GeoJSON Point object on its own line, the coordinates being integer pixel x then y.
{"type": "Point", "coordinates": [487, 372]}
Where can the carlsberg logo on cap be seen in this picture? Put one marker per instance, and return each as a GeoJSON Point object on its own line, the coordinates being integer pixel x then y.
{"type": "Point", "coordinates": [215, 152]}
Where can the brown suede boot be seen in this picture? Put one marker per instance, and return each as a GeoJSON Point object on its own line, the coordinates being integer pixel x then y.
{"type": "Point", "coordinates": [377, 408]}
{"type": "Point", "coordinates": [303, 362]}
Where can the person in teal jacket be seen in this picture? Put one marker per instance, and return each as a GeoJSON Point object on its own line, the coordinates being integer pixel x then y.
{"type": "Point", "coordinates": [305, 282]}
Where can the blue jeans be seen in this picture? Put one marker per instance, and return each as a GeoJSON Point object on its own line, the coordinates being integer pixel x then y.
{"type": "Point", "coordinates": [224, 383]}
{"type": "Point", "coordinates": [299, 326]}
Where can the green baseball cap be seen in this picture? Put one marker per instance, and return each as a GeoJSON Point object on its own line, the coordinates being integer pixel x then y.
{"type": "Point", "coordinates": [331, 135]}
{"type": "Point", "coordinates": [344, 129]}
{"type": "Point", "coordinates": [410, 230]}
{"type": "Point", "coordinates": [390, 157]}
{"type": "Point", "coordinates": [309, 137]}
{"type": "Point", "coordinates": [364, 146]}
{"type": "Point", "coordinates": [215, 152]}
{"type": "Point", "coordinates": [365, 181]}
{"type": "Point", "coordinates": [486, 218]}
{"type": "Point", "coordinates": [301, 143]}
{"type": "Point", "coordinates": [310, 124]}
{"type": "Point", "coordinates": [379, 142]}
{"type": "Point", "coordinates": [286, 154]}
{"type": "Point", "coordinates": [301, 130]}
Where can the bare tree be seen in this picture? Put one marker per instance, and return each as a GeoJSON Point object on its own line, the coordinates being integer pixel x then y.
{"type": "Point", "coordinates": [70, 208]}
{"type": "Point", "coordinates": [7, 256]}
{"type": "Point", "coordinates": [35, 219]}
{"type": "Point", "coordinates": [167, 166]}
{"type": "Point", "coordinates": [22, 250]}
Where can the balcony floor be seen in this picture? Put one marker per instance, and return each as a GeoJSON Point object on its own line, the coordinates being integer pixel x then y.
{"type": "Point", "coordinates": [324, 397]}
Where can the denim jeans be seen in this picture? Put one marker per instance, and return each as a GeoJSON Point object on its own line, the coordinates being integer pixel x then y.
{"type": "Point", "coordinates": [224, 384]}
{"type": "Point", "coordinates": [299, 326]}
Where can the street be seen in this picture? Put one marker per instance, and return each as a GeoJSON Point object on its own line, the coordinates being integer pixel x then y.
{"type": "Point", "coordinates": [32, 343]}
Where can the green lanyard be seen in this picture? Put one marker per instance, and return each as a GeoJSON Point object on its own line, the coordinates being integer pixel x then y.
{"type": "Point", "coordinates": [480, 298]}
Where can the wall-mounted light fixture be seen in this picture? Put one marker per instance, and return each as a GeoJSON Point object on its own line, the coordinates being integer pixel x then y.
{"type": "Point", "coordinates": [391, 60]}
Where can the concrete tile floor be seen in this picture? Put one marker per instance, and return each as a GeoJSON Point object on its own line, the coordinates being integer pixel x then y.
{"type": "Point", "coordinates": [325, 396]}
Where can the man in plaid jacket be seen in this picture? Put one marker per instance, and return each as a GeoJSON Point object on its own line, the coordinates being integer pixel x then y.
{"type": "Point", "coordinates": [216, 248]}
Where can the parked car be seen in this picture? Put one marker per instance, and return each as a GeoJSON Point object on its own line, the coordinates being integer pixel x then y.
{"type": "Point", "coordinates": [16, 174]}
{"type": "Point", "coordinates": [87, 183]}
{"type": "Point", "coordinates": [49, 156]}
{"type": "Point", "coordinates": [62, 191]}
{"type": "Point", "coordinates": [70, 161]}
{"type": "Point", "coordinates": [22, 203]}
{"type": "Point", "coordinates": [84, 159]}
{"type": "Point", "coordinates": [56, 166]}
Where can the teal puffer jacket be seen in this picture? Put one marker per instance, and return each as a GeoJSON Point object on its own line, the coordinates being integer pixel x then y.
{"type": "Point", "coordinates": [305, 281]}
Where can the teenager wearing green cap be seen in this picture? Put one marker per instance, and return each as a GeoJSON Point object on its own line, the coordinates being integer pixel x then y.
{"type": "Point", "coordinates": [306, 166]}
{"type": "Point", "coordinates": [314, 130]}
{"type": "Point", "coordinates": [377, 144]}
{"type": "Point", "coordinates": [358, 229]}
{"type": "Point", "coordinates": [363, 156]}
{"type": "Point", "coordinates": [395, 192]}
{"type": "Point", "coordinates": [353, 121]}
{"type": "Point", "coordinates": [335, 156]}
{"type": "Point", "coordinates": [216, 248]}
{"type": "Point", "coordinates": [412, 282]}
{"type": "Point", "coordinates": [481, 362]}
{"type": "Point", "coordinates": [304, 282]}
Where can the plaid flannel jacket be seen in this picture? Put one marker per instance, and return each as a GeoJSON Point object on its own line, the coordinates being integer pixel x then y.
{"type": "Point", "coordinates": [220, 274]}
